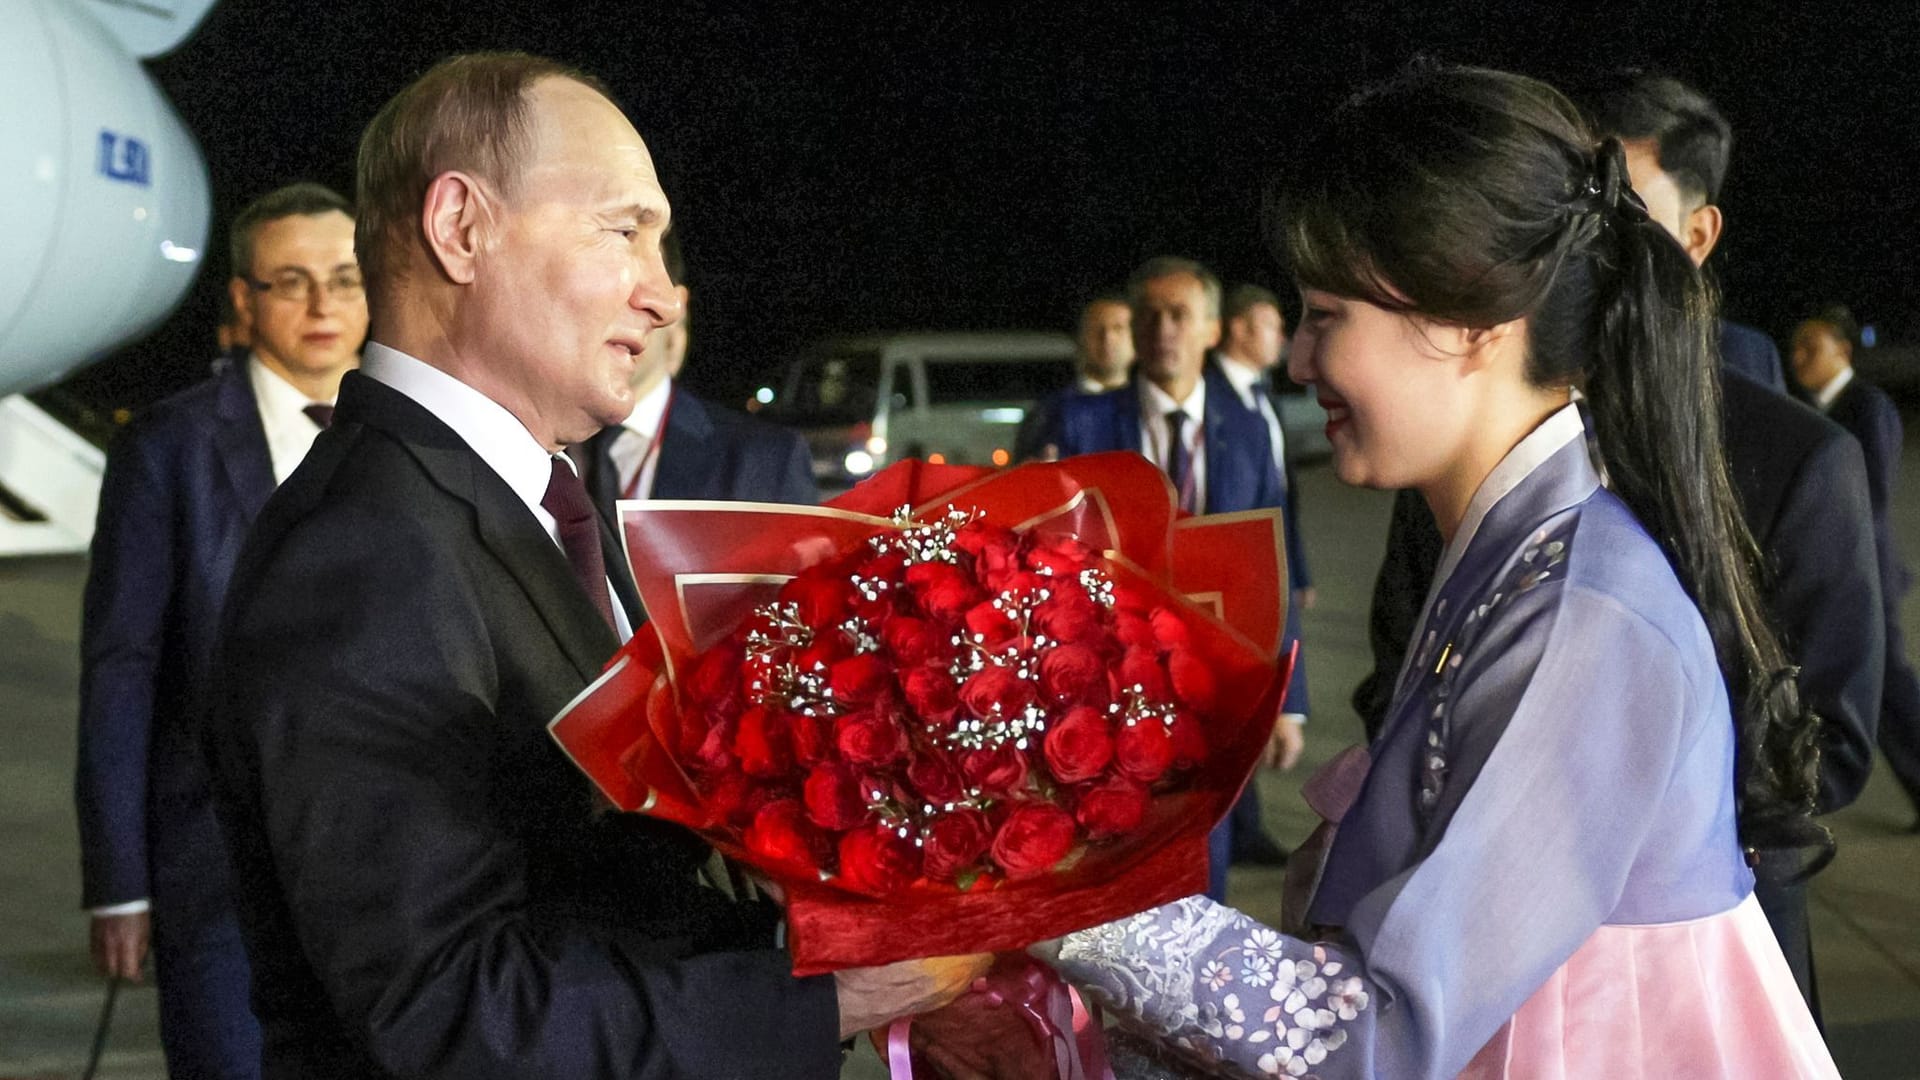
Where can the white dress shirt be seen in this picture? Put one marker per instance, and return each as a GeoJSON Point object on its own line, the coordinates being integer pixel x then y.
{"type": "Point", "coordinates": [495, 434]}
{"type": "Point", "coordinates": [633, 450]}
{"type": "Point", "coordinates": [290, 431]}
{"type": "Point", "coordinates": [1824, 396]}
{"type": "Point", "coordinates": [1246, 383]}
{"type": "Point", "coordinates": [1155, 443]}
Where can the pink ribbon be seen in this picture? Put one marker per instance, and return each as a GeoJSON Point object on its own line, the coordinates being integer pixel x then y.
{"type": "Point", "coordinates": [1055, 1011]}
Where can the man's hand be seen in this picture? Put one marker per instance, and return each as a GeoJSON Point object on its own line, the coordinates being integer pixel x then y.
{"type": "Point", "coordinates": [1286, 742]}
{"type": "Point", "coordinates": [120, 944]}
{"type": "Point", "coordinates": [873, 997]}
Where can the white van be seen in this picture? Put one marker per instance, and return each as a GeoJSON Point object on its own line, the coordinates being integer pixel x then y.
{"type": "Point", "coordinates": [865, 402]}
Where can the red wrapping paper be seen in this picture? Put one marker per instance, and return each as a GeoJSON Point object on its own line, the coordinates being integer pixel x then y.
{"type": "Point", "coordinates": [701, 567]}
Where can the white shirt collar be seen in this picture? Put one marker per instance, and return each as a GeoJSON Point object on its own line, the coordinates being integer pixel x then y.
{"type": "Point", "coordinates": [1244, 380]}
{"type": "Point", "coordinates": [1556, 431]}
{"type": "Point", "coordinates": [1090, 385]}
{"type": "Point", "coordinates": [487, 428]}
{"type": "Point", "coordinates": [274, 393]}
{"type": "Point", "coordinates": [1825, 395]}
{"type": "Point", "coordinates": [1156, 403]}
{"type": "Point", "coordinates": [647, 413]}
{"type": "Point", "coordinates": [281, 406]}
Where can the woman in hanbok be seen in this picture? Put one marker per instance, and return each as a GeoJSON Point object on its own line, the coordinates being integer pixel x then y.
{"type": "Point", "coordinates": [1541, 866]}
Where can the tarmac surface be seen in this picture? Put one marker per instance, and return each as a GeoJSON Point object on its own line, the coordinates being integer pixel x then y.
{"type": "Point", "coordinates": [1865, 907]}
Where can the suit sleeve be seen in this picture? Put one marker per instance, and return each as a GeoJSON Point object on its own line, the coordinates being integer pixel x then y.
{"type": "Point", "coordinates": [123, 626]}
{"type": "Point", "coordinates": [1826, 599]}
{"type": "Point", "coordinates": [1296, 541]}
{"type": "Point", "coordinates": [797, 485]}
{"type": "Point", "coordinates": [362, 671]}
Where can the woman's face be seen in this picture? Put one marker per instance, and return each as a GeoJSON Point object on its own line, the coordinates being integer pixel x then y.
{"type": "Point", "coordinates": [1399, 402]}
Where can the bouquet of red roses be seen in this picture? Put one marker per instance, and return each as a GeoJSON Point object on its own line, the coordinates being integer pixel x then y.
{"type": "Point", "coordinates": [954, 710]}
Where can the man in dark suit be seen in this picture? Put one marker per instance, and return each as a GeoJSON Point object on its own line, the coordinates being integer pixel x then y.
{"type": "Point", "coordinates": [183, 484]}
{"type": "Point", "coordinates": [1103, 357]}
{"type": "Point", "coordinates": [427, 886]}
{"type": "Point", "coordinates": [1823, 366]}
{"type": "Point", "coordinates": [674, 445]}
{"type": "Point", "coordinates": [1182, 414]}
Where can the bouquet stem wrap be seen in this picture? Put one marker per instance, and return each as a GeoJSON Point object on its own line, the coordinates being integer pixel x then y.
{"type": "Point", "coordinates": [1216, 584]}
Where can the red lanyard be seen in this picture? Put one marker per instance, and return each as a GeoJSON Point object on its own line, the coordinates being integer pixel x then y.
{"type": "Point", "coordinates": [653, 451]}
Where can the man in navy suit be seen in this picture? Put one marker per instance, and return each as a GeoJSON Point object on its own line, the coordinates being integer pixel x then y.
{"type": "Point", "coordinates": [1103, 357]}
{"type": "Point", "coordinates": [674, 445]}
{"type": "Point", "coordinates": [182, 487]}
{"type": "Point", "coordinates": [1823, 366]}
{"type": "Point", "coordinates": [1185, 417]}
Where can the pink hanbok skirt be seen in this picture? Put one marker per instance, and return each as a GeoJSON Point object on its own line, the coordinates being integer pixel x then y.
{"type": "Point", "coordinates": [1707, 999]}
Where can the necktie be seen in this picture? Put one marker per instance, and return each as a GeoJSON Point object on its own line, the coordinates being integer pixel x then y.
{"type": "Point", "coordinates": [566, 499]}
{"type": "Point", "coordinates": [1179, 466]}
{"type": "Point", "coordinates": [321, 415]}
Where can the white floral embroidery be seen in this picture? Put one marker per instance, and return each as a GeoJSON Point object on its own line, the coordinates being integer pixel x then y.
{"type": "Point", "coordinates": [1258, 971]}
{"type": "Point", "coordinates": [1216, 974]}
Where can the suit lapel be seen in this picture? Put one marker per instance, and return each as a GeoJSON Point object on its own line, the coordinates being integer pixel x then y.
{"type": "Point", "coordinates": [502, 521]}
{"type": "Point", "coordinates": [1126, 419]}
{"type": "Point", "coordinates": [688, 466]}
{"type": "Point", "coordinates": [241, 442]}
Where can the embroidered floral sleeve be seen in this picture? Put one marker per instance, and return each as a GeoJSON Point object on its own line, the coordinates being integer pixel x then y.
{"type": "Point", "coordinates": [1237, 995]}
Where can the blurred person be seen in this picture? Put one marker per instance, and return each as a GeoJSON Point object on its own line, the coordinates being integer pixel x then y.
{"type": "Point", "coordinates": [1103, 357]}
{"type": "Point", "coordinates": [232, 335]}
{"type": "Point", "coordinates": [1823, 367]}
{"type": "Point", "coordinates": [183, 484]}
{"type": "Point", "coordinates": [1253, 335]}
{"type": "Point", "coordinates": [1182, 414]}
{"type": "Point", "coordinates": [429, 888]}
{"type": "Point", "coordinates": [1802, 491]}
{"type": "Point", "coordinates": [676, 445]}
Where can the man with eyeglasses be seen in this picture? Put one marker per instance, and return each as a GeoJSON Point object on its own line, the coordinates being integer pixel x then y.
{"type": "Point", "coordinates": [183, 484]}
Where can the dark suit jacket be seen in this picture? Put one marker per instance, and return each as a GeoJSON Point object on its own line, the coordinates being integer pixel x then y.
{"type": "Point", "coordinates": [1751, 353]}
{"type": "Point", "coordinates": [1803, 490]}
{"type": "Point", "coordinates": [709, 452]}
{"type": "Point", "coordinates": [183, 484]}
{"type": "Point", "coordinates": [427, 886]}
{"type": "Point", "coordinates": [1240, 472]}
{"type": "Point", "coordinates": [1869, 415]}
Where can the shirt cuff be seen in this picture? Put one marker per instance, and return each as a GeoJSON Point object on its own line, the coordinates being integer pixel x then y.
{"type": "Point", "coordinates": [1295, 718]}
{"type": "Point", "coordinates": [131, 907]}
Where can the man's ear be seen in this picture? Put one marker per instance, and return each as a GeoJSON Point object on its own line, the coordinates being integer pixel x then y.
{"type": "Point", "coordinates": [452, 220]}
{"type": "Point", "coordinates": [1700, 232]}
{"type": "Point", "coordinates": [241, 294]}
{"type": "Point", "coordinates": [1213, 334]}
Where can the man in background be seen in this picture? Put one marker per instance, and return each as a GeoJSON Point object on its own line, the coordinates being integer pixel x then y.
{"type": "Point", "coordinates": [183, 485]}
{"type": "Point", "coordinates": [1103, 358]}
{"type": "Point", "coordinates": [1253, 332]}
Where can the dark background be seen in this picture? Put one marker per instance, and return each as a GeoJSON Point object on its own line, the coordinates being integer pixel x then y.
{"type": "Point", "coordinates": [950, 166]}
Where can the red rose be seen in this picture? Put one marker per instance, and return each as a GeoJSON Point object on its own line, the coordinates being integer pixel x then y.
{"type": "Point", "coordinates": [811, 737]}
{"type": "Point", "coordinates": [1143, 750]}
{"type": "Point", "coordinates": [1192, 680]}
{"type": "Point", "coordinates": [1133, 630]}
{"type": "Point", "coordinates": [912, 641]}
{"type": "Point", "coordinates": [729, 798]}
{"type": "Point", "coordinates": [827, 650]}
{"type": "Point", "coordinates": [1189, 738]}
{"type": "Point", "coordinates": [1112, 807]}
{"type": "Point", "coordinates": [991, 625]}
{"type": "Point", "coordinates": [1169, 632]}
{"type": "Point", "coordinates": [995, 772]}
{"type": "Point", "coordinates": [1079, 745]}
{"type": "Point", "coordinates": [860, 680]}
{"type": "Point", "coordinates": [760, 742]}
{"type": "Point", "coordinates": [780, 834]}
{"type": "Point", "coordinates": [955, 841]}
{"type": "Point", "coordinates": [1141, 668]}
{"type": "Point", "coordinates": [1069, 617]}
{"type": "Point", "coordinates": [931, 693]}
{"type": "Point", "coordinates": [997, 562]}
{"type": "Point", "coordinates": [1061, 556]}
{"type": "Point", "coordinates": [877, 860]}
{"type": "Point", "coordinates": [870, 739]}
{"type": "Point", "coordinates": [934, 780]}
{"type": "Point", "coordinates": [716, 678]}
{"type": "Point", "coordinates": [890, 567]}
{"type": "Point", "coordinates": [834, 798]}
{"type": "Point", "coordinates": [823, 600]}
{"type": "Point", "coordinates": [1129, 595]}
{"type": "Point", "coordinates": [1074, 674]}
{"type": "Point", "coordinates": [943, 589]}
{"type": "Point", "coordinates": [1032, 840]}
{"type": "Point", "coordinates": [996, 691]}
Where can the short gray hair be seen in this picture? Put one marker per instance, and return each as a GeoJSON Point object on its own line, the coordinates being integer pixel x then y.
{"type": "Point", "coordinates": [1164, 266]}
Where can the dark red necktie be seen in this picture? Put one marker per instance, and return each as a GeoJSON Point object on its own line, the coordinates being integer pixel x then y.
{"type": "Point", "coordinates": [321, 415]}
{"type": "Point", "coordinates": [1179, 461]}
{"type": "Point", "coordinates": [567, 500]}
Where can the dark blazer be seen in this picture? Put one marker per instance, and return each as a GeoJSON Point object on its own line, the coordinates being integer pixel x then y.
{"type": "Point", "coordinates": [1869, 415]}
{"type": "Point", "coordinates": [1240, 472]}
{"type": "Point", "coordinates": [428, 887]}
{"type": "Point", "coordinates": [183, 484]}
{"type": "Point", "coordinates": [710, 452]}
{"type": "Point", "coordinates": [1751, 353]}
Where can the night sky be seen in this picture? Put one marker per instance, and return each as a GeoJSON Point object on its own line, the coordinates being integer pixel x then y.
{"type": "Point", "coordinates": [943, 166]}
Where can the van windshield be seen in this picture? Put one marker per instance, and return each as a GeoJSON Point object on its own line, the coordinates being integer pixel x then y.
{"type": "Point", "coordinates": [831, 389]}
{"type": "Point", "coordinates": [1012, 381]}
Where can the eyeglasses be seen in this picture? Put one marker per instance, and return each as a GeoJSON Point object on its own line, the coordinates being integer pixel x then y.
{"type": "Point", "coordinates": [297, 286]}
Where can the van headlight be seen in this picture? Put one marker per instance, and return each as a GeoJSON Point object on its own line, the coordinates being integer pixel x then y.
{"type": "Point", "coordinates": [859, 462]}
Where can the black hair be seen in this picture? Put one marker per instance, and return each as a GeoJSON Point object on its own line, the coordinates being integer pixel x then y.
{"type": "Point", "coordinates": [1161, 266]}
{"type": "Point", "coordinates": [1477, 198]}
{"type": "Point", "coordinates": [302, 199]}
{"type": "Point", "coordinates": [1841, 321]}
{"type": "Point", "coordinates": [1692, 139]}
{"type": "Point", "coordinates": [1244, 296]}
